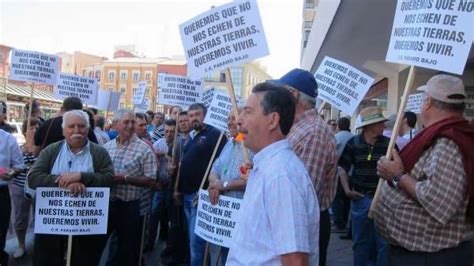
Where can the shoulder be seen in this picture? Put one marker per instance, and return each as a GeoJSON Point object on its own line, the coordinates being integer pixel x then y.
{"type": "Point", "coordinates": [97, 148]}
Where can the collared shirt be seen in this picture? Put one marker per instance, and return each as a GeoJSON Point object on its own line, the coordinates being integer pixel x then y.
{"type": "Point", "coordinates": [102, 136]}
{"type": "Point", "coordinates": [133, 158]}
{"type": "Point", "coordinates": [227, 166]}
{"type": "Point", "coordinates": [314, 143]}
{"type": "Point", "coordinates": [281, 211]}
{"type": "Point", "coordinates": [10, 155]}
{"type": "Point", "coordinates": [363, 158]}
{"type": "Point", "coordinates": [68, 162]}
{"type": "Point", "coordinates": [439, 220]}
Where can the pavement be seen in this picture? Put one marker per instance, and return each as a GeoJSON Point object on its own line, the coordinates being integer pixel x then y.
{"type": "Point", "coordinates": [339, 252]}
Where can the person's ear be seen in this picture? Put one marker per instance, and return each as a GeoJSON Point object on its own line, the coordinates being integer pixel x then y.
{"type": "Point", "coordinates": [273, 121]}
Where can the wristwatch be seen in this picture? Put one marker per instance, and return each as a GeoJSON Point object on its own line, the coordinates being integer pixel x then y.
{"type": "Point", "coordinates": [396, 178]}
{"type": "Point", "coordinates": [224, 186]}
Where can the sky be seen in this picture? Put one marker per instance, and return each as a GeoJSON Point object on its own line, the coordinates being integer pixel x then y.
{"type": "Point", "coordinates": [95, 27]}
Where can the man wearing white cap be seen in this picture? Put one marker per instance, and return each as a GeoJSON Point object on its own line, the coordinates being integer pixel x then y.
{"type": "Point", "coordinates": [426, 207]}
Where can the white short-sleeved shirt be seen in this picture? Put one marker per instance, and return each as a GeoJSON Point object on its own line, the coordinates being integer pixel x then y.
{"type": "Point", "coordinates": [280, 211]}
{"type": "Point", "coordinates": [11, 155]}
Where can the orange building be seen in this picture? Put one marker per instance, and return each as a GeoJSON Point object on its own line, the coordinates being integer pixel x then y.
{"type": "Point", "coordinates": [123, 74]}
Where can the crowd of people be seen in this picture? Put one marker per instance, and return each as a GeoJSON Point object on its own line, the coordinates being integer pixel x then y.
{"type": "Point", "coordinates": [300, 179]}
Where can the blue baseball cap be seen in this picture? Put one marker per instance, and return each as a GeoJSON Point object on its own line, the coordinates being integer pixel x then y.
{"type": "Point", "coordinates": [300, 79]}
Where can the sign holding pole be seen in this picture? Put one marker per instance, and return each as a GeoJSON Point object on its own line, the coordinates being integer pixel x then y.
{"type": "Point", "coordinates": [34, 67]}
{"type": "Point", "coordinates": [432, 34]}
{"type": "Point", "coordinates": [226, 35]}
{"type": "Point", "coordinates": [393, 138]}
{"type": "Point", "coordinates": [341, 85]}
{"type": "Point", "coordinates": [30, 109]}
{"type": "Point", "coordinates": [81, 87]}
{"type": "Point", "coordinates": [58, 212]}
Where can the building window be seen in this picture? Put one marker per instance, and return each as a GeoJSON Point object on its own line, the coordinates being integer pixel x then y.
{"type": "Point", "coordinates": [136, 76]}
{"type": "Point", "coordinates": [148, 76]}
{"type": "Point", "coordinates": [308, 24]}
{"type": "Point", "coordinates": [122, 105]}
{"type": "Point", "coordinates": [147, 92]}
{"type": "Point", "coordinates": [97, 75]}
{"type": "Point", "coordinates": [134, 91]}
{"type": "Point", "coordinates": [111, 75]}
{"type": "Point", "coordinates": [123, 75]}
{"type": "Point", "coordinates": [122, 90]}
{"type": "Point", "coordinates": [309, 4]}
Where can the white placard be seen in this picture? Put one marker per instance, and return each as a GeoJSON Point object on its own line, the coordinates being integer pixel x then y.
{"type": "Point", "coordinates": [341, 85]}
{"type": "Point", "coordinates": [207, 96]}
{"type": "Point", "coordinates": [414, 103]}
{"type": "Point", "coordinates": [224, 36]}
{"type": "Point", "coordinates": [178, 90]}
{"type": "Point", "coordinates": [216, 223]}
{"type": "Point", "coordinates": [139, 95]}
{"type": "Point", "coordinates": [81, 87]}
{"type": "Point", "coordinates": [108, 101]}
{"type": "Point", "coordinates": [435, 34]}
{"type": "Point", "coordinates": [59, 213]}
{"type": "Point", "coordinates": [142, 108]}
{"type": "Point", "coordinates": [34, 67]}
{"type": "Point", "coordinates": [218, 111]}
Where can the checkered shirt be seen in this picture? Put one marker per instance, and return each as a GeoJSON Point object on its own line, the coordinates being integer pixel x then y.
{"type": "Point", "coordinates": [133, 158]}
{"type": "Point", "coordinates": [314, 143]}
{"type": "Point", "coordinates": [438, 221]}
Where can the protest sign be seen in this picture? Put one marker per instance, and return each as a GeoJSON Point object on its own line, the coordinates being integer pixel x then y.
{"type": "Point", "coordinates": [216, 223]}
{"type": "Point", "coordinates": [142, 108]}
{"type": "Point", "coordinates": [139, 95]}
{"type": "Point", "coordinates": [58, 212]}
{"type": "Point", "coordinates": [218, 111]}
{"type": "Point", "coordinates": [226, 35]}
{"type": "Point", "coordinates": [207, 96]}
{"type": "Point", "coordinates": [108, 101]}
{"type": "Point", "coordinates": [341, 85]}
{"type": "Point", "coordinates": [178, 90]}
{"type": "Point", "coordinates": [414, 103]}
{"type": "Point", "coordinates": [81, 87]}
{"type": "Point", "coordinates": [435, 34]}
{"type": "Point", "coordinates": [34, 67]}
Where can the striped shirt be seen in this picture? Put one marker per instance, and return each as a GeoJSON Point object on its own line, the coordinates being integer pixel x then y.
{"type": "Point", "coordinates": [133, 158]}
{"type": "Point", "coordinates": [439, 220]}
{"type": "Point", "coordinates": [363, 157]}
{"type": "Point", "coordinates": [314, 143]}
{"type": "Point", "coordinates": [158, 133]}
{"type": "Point", "coordinates": [281, 210]}
{"type": "Point", "coordinates": [29, 159]}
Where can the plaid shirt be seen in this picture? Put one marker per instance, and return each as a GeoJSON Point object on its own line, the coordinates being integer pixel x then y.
{"type": "Point", "coordinates": [314, 143]}
{"type": "Point", "coordinates": [438, 221]}
{"type": "Point", "coordinates": [133, 158]}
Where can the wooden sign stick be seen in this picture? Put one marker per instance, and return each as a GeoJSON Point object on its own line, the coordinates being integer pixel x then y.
{"type": "Point", "coordinates": [393, 139]}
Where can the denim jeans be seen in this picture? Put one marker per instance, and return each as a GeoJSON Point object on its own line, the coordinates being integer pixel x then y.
{"type": "Point", "coordinates": [159, 198]}
{"type": "Point", "coordinates": [369, 247]}
{"type": "Point", "coordinates": [197, 245]}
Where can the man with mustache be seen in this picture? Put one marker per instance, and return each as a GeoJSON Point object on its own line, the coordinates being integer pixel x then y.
{"type": "Point", "coordinates": [74, 163]}
{"type": "Point", "coordinates": [196, 156]}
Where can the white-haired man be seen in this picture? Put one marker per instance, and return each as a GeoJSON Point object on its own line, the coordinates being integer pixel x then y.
{"type": "Point", "coordinates": [135, 168]}
{"type": "Point", "coordinates": [74, 163]}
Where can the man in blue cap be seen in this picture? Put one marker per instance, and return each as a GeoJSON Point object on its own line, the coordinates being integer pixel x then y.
{"type": "Point", "coordinates": [314, 143]}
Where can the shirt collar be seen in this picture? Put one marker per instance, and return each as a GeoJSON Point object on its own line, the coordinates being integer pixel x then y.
{"type": "Point", "coordinates": [270, 150]}
{"type": "Point", "coordinates": [308, 113]}
{"type": "Point", "coordinates": [133, 138]}
{"type": "Point", "coordinates": [85, 148]}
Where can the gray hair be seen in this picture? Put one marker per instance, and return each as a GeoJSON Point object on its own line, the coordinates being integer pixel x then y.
{"type": "Point", "coordinates": [76, 113]}
{"type": "Point", "coordinates": [306, 100]}
{"type": "Point", "coordinates": [121, 113]}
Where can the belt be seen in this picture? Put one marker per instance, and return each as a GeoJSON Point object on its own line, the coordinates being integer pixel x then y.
{"type": "Point", "coordinates": [364, 190]}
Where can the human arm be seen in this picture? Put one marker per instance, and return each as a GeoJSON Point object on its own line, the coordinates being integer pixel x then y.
{"type": "Point", "coordinates": [16, 163]}
{"type": "Point", "coordinates": [294, 259]}
{"type": "Point", "coordinates": [350, 193]}
{"type": "Point", "coordinates": [441, 184]}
